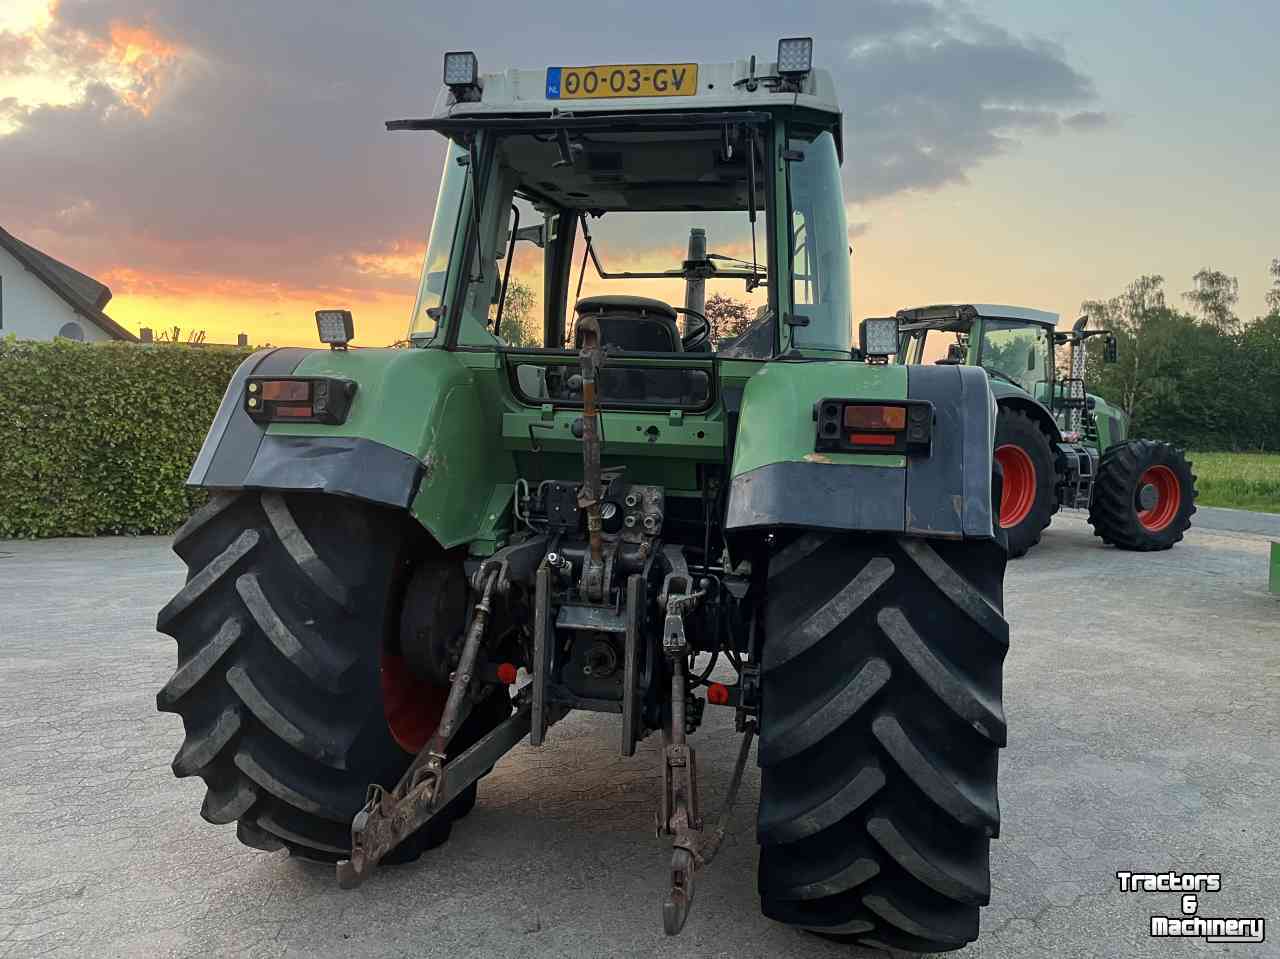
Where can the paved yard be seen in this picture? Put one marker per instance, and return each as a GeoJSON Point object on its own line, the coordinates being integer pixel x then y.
{"type": "Point", "coordinates": [1143, 700]}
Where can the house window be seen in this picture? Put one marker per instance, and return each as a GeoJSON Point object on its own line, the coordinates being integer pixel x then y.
{"type": "Point", "coordinates": [71, 331]}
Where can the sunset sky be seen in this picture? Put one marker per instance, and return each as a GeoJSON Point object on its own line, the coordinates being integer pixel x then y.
{"type": "Point", "coordinates": [223, 166]}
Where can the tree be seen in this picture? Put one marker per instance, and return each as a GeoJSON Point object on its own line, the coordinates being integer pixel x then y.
{"type": "Point", "coordinates": [1273, 294]}
{"type": "Point", "coordinates": [1127, 315]}
{"type": "Point", "coordinates": [516, 315]}
{"type": "Point", "coordinates": [728, 317]}
{"type": "Point", "coordinates": [1214, 296]}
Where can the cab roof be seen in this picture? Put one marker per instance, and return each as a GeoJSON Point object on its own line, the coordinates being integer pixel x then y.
{"type": "Point", "coordinates": [966, 312]}
{"type": "Point", "coordinates": [721, 86]}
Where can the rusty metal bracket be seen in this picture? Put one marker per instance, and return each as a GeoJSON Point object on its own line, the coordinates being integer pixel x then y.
{"type": "Point", "coordinates": [678, 811]}
{"type": "Point", "coordinates": [387, 819]}
{"type": "Point", "coordinates": [688, 857]}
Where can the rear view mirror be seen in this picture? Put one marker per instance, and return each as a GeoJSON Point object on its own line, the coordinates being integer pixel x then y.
{"type": "Point", "coordinates": [1110, 349]}
{"type": "Point", "coordinates": [536, 234]}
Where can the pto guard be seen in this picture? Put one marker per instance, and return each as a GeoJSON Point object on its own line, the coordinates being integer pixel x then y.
{"type": "Point", "coordinates": [417, 437]}
{"type": "Point", "coordinates": [778, 479]}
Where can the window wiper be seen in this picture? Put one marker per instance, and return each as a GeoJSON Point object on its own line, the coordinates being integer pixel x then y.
{"type": "Point", "coordinates": [733, 259]}
{"type": "Point", "coordinates": [1003, 375]}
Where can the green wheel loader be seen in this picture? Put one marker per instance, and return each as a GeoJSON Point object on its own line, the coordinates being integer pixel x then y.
{"type": "Point", "coordinates": [1057, 444]}
{"type": "Point", "coordinates": [574, 490]}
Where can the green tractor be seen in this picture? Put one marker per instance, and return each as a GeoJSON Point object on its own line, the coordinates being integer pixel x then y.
{"type": "Point", "coordinates": [1057, 444]}
{"type": "Point", "coordinates": [415, 558]}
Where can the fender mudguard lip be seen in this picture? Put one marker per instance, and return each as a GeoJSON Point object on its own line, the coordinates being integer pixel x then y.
{"type": "Point", "coordinates": [240, 454]}
{"type": "Point", "coordinates": [818, 496]}
{"type": "Point", "coordinates": [339, 465]}
{"type": "Point", "coordinates": [946, 494]}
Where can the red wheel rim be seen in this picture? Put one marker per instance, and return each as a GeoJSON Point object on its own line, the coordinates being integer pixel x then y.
{"type": "Point", "coordinates": [1019, 484]}
{"type": "Point", "coordinates": [1168, 498]}
{"type": "Point", "coordinates": [412, 706]}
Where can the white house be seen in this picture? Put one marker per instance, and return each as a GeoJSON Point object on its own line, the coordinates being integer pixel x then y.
{"type": "Point", "coordinates": [41, 298]}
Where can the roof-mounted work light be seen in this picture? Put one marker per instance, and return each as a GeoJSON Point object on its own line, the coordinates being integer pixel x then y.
{"type": "Point", "coordinates": [335, 328]}
{"type": "Point", "coordinates": [795, 56]}
{"type": "Point", "coordinates": [878, 338]}
{"type": "Point", "coordinates": [462, 73]}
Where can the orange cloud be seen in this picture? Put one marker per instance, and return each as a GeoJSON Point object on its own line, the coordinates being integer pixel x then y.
{"type": "Point", "coordinates": [401, 261]}
{"type": "Point", "coordinates": [225, 306]}
{"type": "Point", "coordinates": [144, 59]}
{"type": "Point", "coordinates": [55, 64]}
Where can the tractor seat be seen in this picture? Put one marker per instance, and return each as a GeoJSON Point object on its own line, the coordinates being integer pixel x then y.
{"type": "Point", "coordinates": [635, 324]}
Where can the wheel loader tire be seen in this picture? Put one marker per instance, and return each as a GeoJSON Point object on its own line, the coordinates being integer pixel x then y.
{"type": "Point", "coordinates": [880, 725]}
{"type": "Point", "coordinates": [289, 609]}
{"type": "Point", "coordinates": [1030, 478]}
{"type": "Point", "coordinates": [1127, 473]}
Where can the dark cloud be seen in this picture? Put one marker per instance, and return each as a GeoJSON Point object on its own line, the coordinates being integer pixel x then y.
{"type": "Point", "coordinates": [1088, 120]}
{"type": "Point", "coordinates": [926, 105]}
{"type": "Point", "coordinates": [261, 151]}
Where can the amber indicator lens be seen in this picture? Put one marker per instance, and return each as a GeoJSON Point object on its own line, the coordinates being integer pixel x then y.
{"type": "Point", "coordinates": [299, 412]}
{"type": "Point", "coordinates": [286, 391]}
{"type": "Point", "coordinates": [875, 418]}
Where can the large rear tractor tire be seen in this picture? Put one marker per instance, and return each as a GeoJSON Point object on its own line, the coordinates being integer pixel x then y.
{"type": "Point", "coordinates": [1144, 496]}
{"type": "Point", "coordinates": [289, 678]}
{"type": "Point", "coordinates": [880, 724]}
{"type": "Point", "coordinates": [1024, 453]}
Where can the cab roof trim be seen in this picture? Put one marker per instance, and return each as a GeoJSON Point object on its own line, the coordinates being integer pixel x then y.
{"type": "Point", "coordinates": [1007, 312]}
{"type": "Point", "coordinates": [720, 86]}
{"type": "Point", "coordinates": [966, 311]}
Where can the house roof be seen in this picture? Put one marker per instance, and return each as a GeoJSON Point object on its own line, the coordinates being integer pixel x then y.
{"type": "Point", "coordinates": [82, 293]}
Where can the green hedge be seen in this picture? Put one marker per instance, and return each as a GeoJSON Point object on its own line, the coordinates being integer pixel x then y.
{"type": "Point", "coordinates": [100, 438]}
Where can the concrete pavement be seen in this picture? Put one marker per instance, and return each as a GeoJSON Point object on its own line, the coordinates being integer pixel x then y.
{"type": "Point", "coordinates": [1143, 702]}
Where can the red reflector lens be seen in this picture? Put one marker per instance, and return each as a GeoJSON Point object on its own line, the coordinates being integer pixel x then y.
{"type": "Point", "coordinates": [506, 673]}
{"type": "Point", "coordinates": [300, 412]}
{"type": "Point", "coordinates": [875, 418]}
{"type": "Point", "coordinates": [718, 694]}
{"type": "Point", "coordinates": [872, 439]}
{"type": "Point", "coordinates": [286, 391]}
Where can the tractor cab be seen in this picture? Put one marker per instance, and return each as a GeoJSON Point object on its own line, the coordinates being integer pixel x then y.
{"type": "Point", "coordinates": [1013, 344]}
{"type": "Point", "coordinates": [576, 194]}
{"type": "Point", "coordinates": [1017, 346]}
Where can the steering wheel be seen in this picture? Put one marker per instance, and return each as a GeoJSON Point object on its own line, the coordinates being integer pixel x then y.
{"type": "Point", "coordinates": [699, 338]}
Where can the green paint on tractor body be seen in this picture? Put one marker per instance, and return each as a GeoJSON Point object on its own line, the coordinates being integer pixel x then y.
{"type": "Point", "coordinates": [628, 435]}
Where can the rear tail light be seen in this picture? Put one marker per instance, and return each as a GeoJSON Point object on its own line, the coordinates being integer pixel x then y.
{"type": "Point", "coordinates": [298, 399]}
{"type": "Point", "coordinates": [875, 417]}
{"type": "Point", "coordinates": [869, 426]}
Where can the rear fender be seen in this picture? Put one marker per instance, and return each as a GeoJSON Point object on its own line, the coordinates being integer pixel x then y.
{"type": "Point", "coordinates": [419, 436]}
{"type": "Point", "coordinates": [1015, 399]}
{"type": "Point", "coordinates": [778, 480]}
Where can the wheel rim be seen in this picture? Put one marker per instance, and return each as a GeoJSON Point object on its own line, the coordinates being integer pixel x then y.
{"type": "Point", "coordinates": [1168, 498]}
{"type": "Point", "coordinates": [1019, 484]}
{"type": "Point", "coordinates": [412, 706]}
